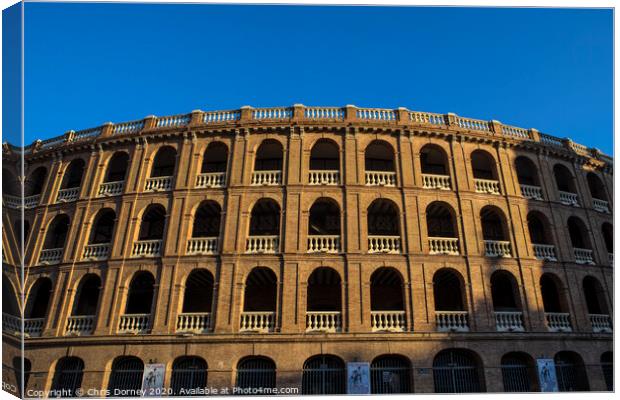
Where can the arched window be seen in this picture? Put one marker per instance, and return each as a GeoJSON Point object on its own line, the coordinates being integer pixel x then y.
{"type": "Point", "coordinates": [518, 372]}
{"type": "Point", "coordinates": [103, 227]}
{"type": "Point", "coordinates": [495, 232]}
{"type": "Point", "coordinates": [379, 156]}
{"type": "Point", "coordinates": [265, 218]}
{"type": "Point", "coordinates": [10, 304]}
{"type": "Point", "coordinates": [608, 237]}
{"type": "Point", "coordinates": [570, 372]}
{"type": "Point", "coordinates": [506, 302]}
{"type": "Point", "coordinates": [164, 162]}
{"type": "Point", "coordinates": [207, 220]}
{"type": "Point", "coordinates": [38, 299]}
{"type": "Point", "coordinates": [596, 305]}
{"type": "Point", "coordinates": [383, 227]}
{"type": "Point", "coordinates": [153, 223]}
{"type": "Point", "coordinates": [269, 156]}
{"type": "Point", "coordinates": [434, 160]}
{"type": "Point", "coordinates": [35, 182]}
{"type": "Point", "coordinates": [259, 303]}
{"type": "Point", "coordinates": [483, 165]}
{"type": "Point", "coordinates": [580, 240]}
{"type": "Point", "coordinates": [126, 376]}
{"type": "Point", "coordinates": [554, 305]}
{"type": "Point", "coordinates": [457, 371]}
{"type": "Point", "coordinates": [140, 295]}
{"type": "Point", "coordinates": [597, 189]}
{"type": "Point", "coordinates": [67, 377]}
{"type": "Point", "coordinates": [324, 226]}
{"type": "Point", "coordinates": [215, 158]}
{"type": "Point", "coordinates": [390, 374]}
{"type": "Point", "coordinates": [527, 173]}
{"type": "Point", "coordinates": [17, 230]}
{"type": "Point", "coordinates": [57, 232]}
{"type": "Point", "coordinates": [565, 183]}
{"type": "Point", "coordinates": [386, 290]}
{"type": "Point", "coordinates": [441, 229]}
{"type": "Point", "coordinates": [324, 301]}
{"type": "Point", "coordinates": [323, 374]}
{"type": "Point", "coordinates": [87, 297]}
{"type": "Point", "coordinates": [256, 373]}
{"type": "Point", "coordinates": [117, 167]}
{"type": "Point", "coordinates": [10, 183]}
{"type": "Point", "coordinates": [450, 304]}
{"type": "Point", "coordinates": [540, 236]}
{"type": "Point", "coordinates": [73, 174]}
{"type": "Point", "coordinates": [189, 376]}
{"type": "Point", "coordinates": [607, 365]}
{"type": "Point", "coordinates": [325, 156]}
{"type": "Point", "coordinates": [198, 296]}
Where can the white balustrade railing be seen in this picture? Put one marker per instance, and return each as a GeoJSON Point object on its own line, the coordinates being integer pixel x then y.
{"type": "Point", "coordinates": [272, 113]}
{"type": "Point", "coordinates": [128, 127]}
{"type": "Point", "coordinates": [262, 244]}
{"type": "Point", "coordinates": [11, 323]}
{"type": "Point", "coordinates": [173, 121]}
{"type": "Point", "coordinates": [531, 192]}
{"type": "Point", "coordinates": [583, 256]}
{"type": "Point", "coordinates": [32, 201]}
{"type": "Point", "coordinates": [147, 248]}
{"type": "Point", "coordinates": [214, 117]}
{"type": "Point", "coordinates": [134, 323]}
{"type": "Point", "coordinates": [12, 201]}
{"type": "Point", "coordinates": [431, 181]}
{"type": "Point", "coordinates": [52, 142]}
{"type": "Point", "coordinates": [257, 321]}
{"type": "Point", "coordinates": [570, 199]}
{"type": "Point", "coordinates": [323, 177]}
{"type": "Point", "coordinates": [509, 321]}
{"type": "Point", "coordinates": [211, 180]}
{"type": "Point", "coordinates": [600, 323]}
{"type": "Point", "coordinates": [99, 251]}
{"type": "Point", "coordinates": [202, 245]}
{"type": "Point", "coordinates": [33, 326]}
{"type": "Point", "coordinates": [392, 321]}
{"type": "Point", "coordinates": [472, 124]}
{"type": "Point", "coordinates": [323, 243]}
{"type": "Point", "coordinates": [70, 194]}
{"type": "Point", "coordinates": [515, 131]}
{"type": "Point", "coordinates": [558, 322]}
{"type": "Point", "coordinates": [159, 183]}
{"type": "Point", "coordinates": [383, 244]}
{"type": "Point", "coordinates": [86, 134]}
{"type": "Point", "coordinates": [268, 178]}
{"type": "Point", "coordinates": [452, 321]}
{"type": "Point", "coordinates": [80, 325]}
{"type": "Point", "coordinates": [551, 140]}
{"type": "Point", "coordinates": [193, 322]}
{"type": "Point", "coordinates": [51, 256]}
{"type": "Point", "coordinates": [487, 186]}
{"type": "Point", "coordinates": [545, 252]}
{"type": "Point", "coordinates": [443, 245]}
{"type": "Point", "coordinates": [600, 205]}
{"type": "Point", "coordinates": [323, 321]}
{"type": "Point", "coordinates": [324, 113]}
{"type": "Point", "coordinates": [497, 248]}
{"type": "Point", "coordinates": [377, 114]}
{"type": "Point", "coordinates": [111, 188]}
{"type": "Point", "coordinates": [427, 118]}
{"type": "Point", "coordinates": [380, 178]}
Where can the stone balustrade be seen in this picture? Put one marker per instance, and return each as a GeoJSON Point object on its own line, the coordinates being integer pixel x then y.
{"type": "Point", "coordinates": [558, 322]}
{"type": "Point", "coordinates": [11, 324]}
{"type": "Point", "coordinates": [497, 248]}
{"type": "Point", "coordinates": [427, 118]}
{"type": "Point", "coordinates": [323, 321]}
{"type": "Point", "coordinates": [323, 243]}
{"type": "Point", "coordinates": [134, 323]}
{"type": "Point", "coordinates": [33, 327]}
{"type": "Point", "coordinates": [66, 195]}
{"type": "Point", "coordinates": [266, 178]}
{"type": "Point", "coordinates": [391, 321]}
{"type": "Point", "coordinates": [158, 184]}
{"type": "Point", "coordinates": [443, 245]}
{"type": "Point", "coordinates": [452, 321]}
{"type": "Point", "coordinates": [376, 114]}
{"type": "Point", "coordinates": [509, 321]}
{"type": "Point", "coordinates": [211, 180]}
{"type": "Point", "coordinates": [583, 256]}
{"type": "Point", "coordinates": [601, 323]}
{"type": "Point", "coordinates": [431, 181]}
{"type": "Point", "coordinates": [12, 201]}
{"type": "Point", "coordinates": [100, 251]}
{"type": "Point", "coordinates": [600, 206]}
{"type": "Point", "coordinates": [262, 244]}
{"type": "Point", "coordinates": [272, 113]}
{"type": "Point", "coordinates": [51, 256]}
{"type": "Point", "coordinates": [32, 201]}
{"type": "Point", "coordinates": [569, 199]}
{"type": "Point", "coordinates": [487, 186]}
{"type": "Point", "coordinates": [257, 321]}
{"type": "Point", "coordinates": [80, 325]}
{"type": "Point", "coordinates": [111, 188]}
{"type": "Point", "coordinates": [215, 117]}
{"type": "Point", "coordinates": [203, 245]}
{"type": "Point", "coordinates": [471, 124]}
{"type": "Point", "coordinates": [532, 192]}
{"type": "Point", "coordinates": [380, 178]}
{"type": "Point", "coordinates": [147, 248]}
{"type": "Point", "coordinates": [193, 322]}
{"type": "Point", "coordinates": [173, 121]}
{"type": "Point", "coordinates": [126, 128]}
{"type": "Point", "coordinates": [384, 244]}
{"type": "Point", "coordinates": [323, 177]}
{"type": "Point", "coordinates": [545, 252]}
{"type": "Point", "coordinates": [336, 113]}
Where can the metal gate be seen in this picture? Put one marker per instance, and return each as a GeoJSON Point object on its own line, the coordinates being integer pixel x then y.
{"type": "Point", "coordinates": [571, 376]}
{"type": "Point", "coordinates": [188, 373]}
{"type": "Point", "coordinates": [323, 375]}
{"type": "Point", "coordinates": [516, 375]}
{"type": "Point", "coordinates": [126, 376]}
{"type": "Point", "coordinates": [256, 373]}
{"type": "Point", "coordinates": [390, 374]}
{"type": "Point", "coordinates": [607, 364]}
{"type": "Point", "coordinates": [455, 371]}
{"type": "Point", "coordinates": [67, 377]}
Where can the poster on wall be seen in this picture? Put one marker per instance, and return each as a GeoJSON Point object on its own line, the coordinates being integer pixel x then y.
{"type": "Point", "coordinates": [358, 378]}
{"type": "Point", "coordinates": [153, 380]}
{"type": "Point", "coordinates": [546, 375]}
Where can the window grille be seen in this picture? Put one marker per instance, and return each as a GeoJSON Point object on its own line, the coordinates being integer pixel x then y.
{"type": "Point", "coordinates": [126, 375]}
{"type": "Point", "coordinates": [188, 373]}
{"type": "Point", "coordinates": [455, 372]}
{"type": "Point", "coordinates": [516, 375]}
{"type": "Point", "coordinates": [67, 377]}
{"type": "Point", "coordinates": [323, 375]}
{"type": "Point", "coordinates": [256, 373]}
{"type": "Point", "coordinates": [390, 375]}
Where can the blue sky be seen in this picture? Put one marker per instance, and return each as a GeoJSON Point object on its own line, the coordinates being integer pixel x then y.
{"type": "Point", "coordinates": [549, 69]}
